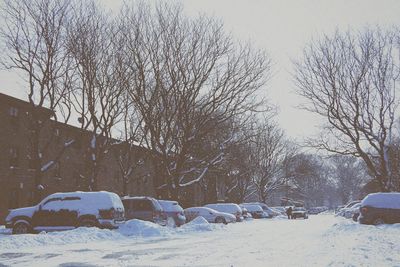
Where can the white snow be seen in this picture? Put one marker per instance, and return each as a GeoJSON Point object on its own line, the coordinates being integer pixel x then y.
{"type": "Point", "coordinates": [322, 240]}
{"type": "Point", "coordinates": [85, 202]}
{"type": "Point", "coordinates": [47, 166]}
{"type": "Point", "coordinates": [169, 205]}
{"type": "Point", "coordinates": [382, 200]}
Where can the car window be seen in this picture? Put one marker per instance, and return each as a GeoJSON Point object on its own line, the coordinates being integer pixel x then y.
{"type": "Point", "coordinates": [71, 198]}
{"type": "Point", "coordinates": [51, 200]}
{"type": "Point", "coordinates": [144, 205]}
{"type": "Point", "coordinates": [157, 205]}
{"type": "Point", "coordinates": [52, 204]}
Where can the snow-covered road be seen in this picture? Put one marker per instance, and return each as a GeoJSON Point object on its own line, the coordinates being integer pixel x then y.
{"type": "Point", "coordinates": [322, 240]}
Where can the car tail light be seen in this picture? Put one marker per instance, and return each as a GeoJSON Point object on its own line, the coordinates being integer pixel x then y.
{"type": "Point", "coordinates": [364, 210]}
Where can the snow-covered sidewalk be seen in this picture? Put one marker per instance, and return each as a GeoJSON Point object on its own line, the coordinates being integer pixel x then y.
{"type": "Point", "coordinates": [322, 240]}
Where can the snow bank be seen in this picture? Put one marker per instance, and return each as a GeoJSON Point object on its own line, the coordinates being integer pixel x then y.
{"type": "Point", "coordinates": [131, 229]}
{"type": "Point", "coordinates": [140, 228]}
{"type": "Point", "coordinates": [199, 224]}
{"type": "Point", "coordinates": [79, 235]}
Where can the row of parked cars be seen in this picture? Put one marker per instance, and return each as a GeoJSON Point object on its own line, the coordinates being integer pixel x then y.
{"type": "Point", "coordinates": [375, 208]}
{"type": "Point", "coordinates": [63, 211]}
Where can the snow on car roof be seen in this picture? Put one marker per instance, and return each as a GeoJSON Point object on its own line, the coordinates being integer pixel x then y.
{"type": "Point", "coordinates": [169, 205]}
{"type": "Point", "coordinates": [252, 207]}
{"type": "Point", "coordinates": [225, 207]}
{"type": "Point", "coordinates": [85, 202]}
{"type": "Point", "coordinates": [382, 200]}
{"type": "Point", "coordinates": [199, 208]}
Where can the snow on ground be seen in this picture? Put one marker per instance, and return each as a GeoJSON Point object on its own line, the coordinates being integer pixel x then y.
{"type": "Point", "coordinates": [322, 240]}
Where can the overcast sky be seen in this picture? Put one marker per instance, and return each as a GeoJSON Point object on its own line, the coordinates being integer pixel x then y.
{"type": "Point", "coordinates": [282, 28]}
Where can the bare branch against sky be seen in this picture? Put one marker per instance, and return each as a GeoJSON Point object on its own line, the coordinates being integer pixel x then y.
{"type": "Point", "coordinates": [282, 28]}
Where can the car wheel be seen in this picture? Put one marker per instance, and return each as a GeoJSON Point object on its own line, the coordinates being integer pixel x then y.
{"type": "Point", "coordinates": [220, 220]}
{"type": "Point", "coordinates": [378, 221]}
{"type": "Point", "coordinates": [21, 228]}
{"type": "Point", "coordinates": [87, 223]}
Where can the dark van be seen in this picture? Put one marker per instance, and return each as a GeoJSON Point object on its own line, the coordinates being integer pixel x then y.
{"type": "Point", "coordinates": [380, 208]}
{"type": "Point", "coordinates": [144, 208]}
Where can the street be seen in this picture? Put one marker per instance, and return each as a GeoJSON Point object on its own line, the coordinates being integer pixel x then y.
{"type": "Point", "coordinates": [322, 240]}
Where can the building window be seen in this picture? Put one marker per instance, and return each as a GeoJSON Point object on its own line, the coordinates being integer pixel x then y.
{"type": "Point", "coordinates": [13, 112]}
{"type": "Point", "coordinates": [14, 157]}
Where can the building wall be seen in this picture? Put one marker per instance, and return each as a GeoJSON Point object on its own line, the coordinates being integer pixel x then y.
{"type": "Point", "coordinates": [17, 178]}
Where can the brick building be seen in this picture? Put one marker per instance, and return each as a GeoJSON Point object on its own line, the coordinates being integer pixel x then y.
{"type": "Point", "coordinates": [16, 172]}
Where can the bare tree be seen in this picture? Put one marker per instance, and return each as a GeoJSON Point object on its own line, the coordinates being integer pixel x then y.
{"type": "Point", "coordinates": [268, 153]}
{"type": "Point", "coordinates": [95, 42]}
{"type": "Point", "coordinates": [350, 80]}
{"type": "Point", "coordinates": [349, 176]}
{"type": "Point", "coordinates": [188, 77]}
{"type": "Point", "coordinates": [34, 36]}
{"type": "Point", "coordinates": [309, 178]}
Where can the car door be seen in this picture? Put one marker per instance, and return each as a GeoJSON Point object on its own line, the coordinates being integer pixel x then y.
{"type": "Point", "coordinates": [208, 215]}
{"type": "Point", "coordinates": [46, 215]}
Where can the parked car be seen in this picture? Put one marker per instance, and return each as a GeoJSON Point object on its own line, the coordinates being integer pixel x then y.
{"type": "Point", "coordinates": [355, 212]}
{"type": "Point", "coordinates": [212, 216]}
{"type": "Point", "coordinates": [173, 211]}
{"type": "Point", "coordinates": [231, 208]}
{"type": "Point", "coordinates": [380, 208]}
{"type": "Point", "coordinates": [280, 209]}
{"type": "Point", "coordinates": [64, 211]}
{"type": "Point", "coordinates": [144, 208]}
{"type": "Point", "coordinates": [317, 210]}
{"type": "Point", "coordinates": [349, 212]}
{"type": "Point", "coordinates": [341, 210]}
{"type": "Point", "coordinates": [246, 214]}
{"type": "Point", "coordinates": [268, 211]}
{"type": "Point", "coordinates": [299, 212]}
{"type": "Point", "coordinates": [255, 210]}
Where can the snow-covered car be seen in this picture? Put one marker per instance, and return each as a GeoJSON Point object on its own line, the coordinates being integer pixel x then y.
{"type": "Point", "coordinates": [380, 208]}
{"type": "Point", "coordinates": [211, 215]}
{"type": "Point", "coordinates": [173, 211]}
{"type": "Point", "coordinates": [144, 208]}
{"type": "Point", "coordinates": [64, 211]}
{"type": "Point", "coordinates": [350, 204]}
{"type": "Point", "coordinates": [299, 212]}
{"type": "Point", "coordinates": [268, 211]}
{"type": "Point", "coordinates": [317, 210]}
{"type": "Point", "coordinates": [349, 212]}
{"type": "Point", "coordinates": [245, 213]}
{"type": "Point", "coordinates": [231, 208]}
{"type": "Point", "coordinates": [279, 209]}
{"type": "Point", "coordinates": [255, 210]}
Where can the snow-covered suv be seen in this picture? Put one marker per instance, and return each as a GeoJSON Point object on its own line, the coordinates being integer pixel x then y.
{"type": "Point", "coordinates": [64, 211]}
{"type": "Point", "coordinates": [379, 208]}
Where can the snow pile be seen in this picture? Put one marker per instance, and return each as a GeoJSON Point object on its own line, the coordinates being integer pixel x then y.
{"type": "Point", "coordinates": [4, 230]}
{"type": "Point", "coordinates": [138, 228]}
{"type": "Point", "coordinates": [79, 235]}
{"type": "Point", "coordinates": [199, 224]}
{"type": "Point", "coordinates": [131, 229]}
